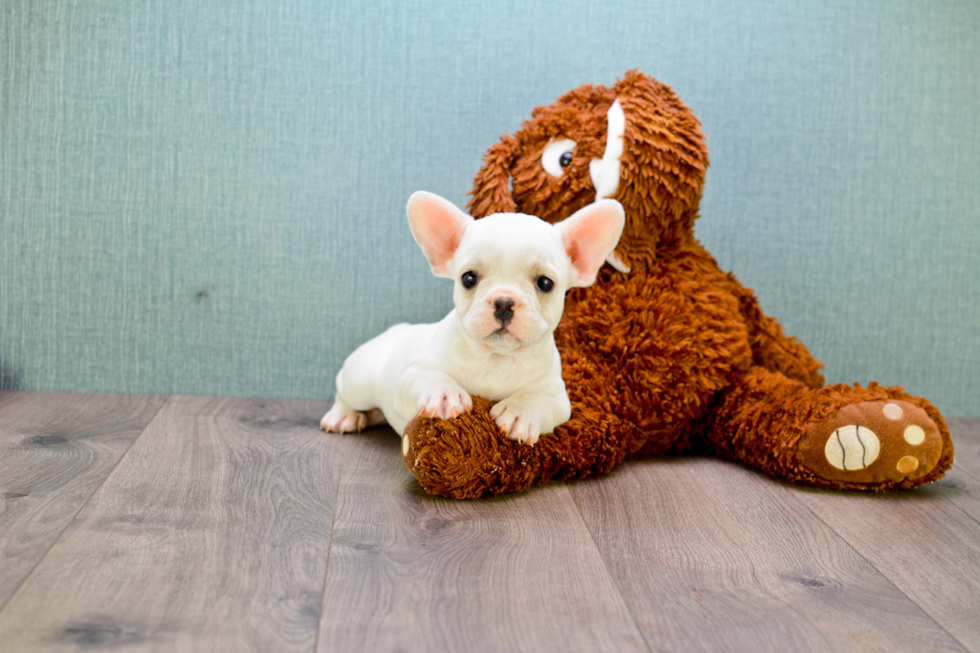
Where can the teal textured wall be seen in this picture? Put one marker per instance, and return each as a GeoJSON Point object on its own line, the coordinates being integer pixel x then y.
{"type": "Point", "coordinates": [208, 197]}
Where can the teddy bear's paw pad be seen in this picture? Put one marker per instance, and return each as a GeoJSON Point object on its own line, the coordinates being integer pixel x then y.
{"type": "Point", "coordinates": [872, 442]}
{"type": "Point", "coordinates": [340, 419]}
{"type": "Point", "coordinates": [852, 447]}
{"type": "Point", "coordinates": [409, 447]}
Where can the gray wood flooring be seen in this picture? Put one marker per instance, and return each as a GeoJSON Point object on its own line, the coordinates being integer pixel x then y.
{"type": "Point", "coordinates": [134, 522]}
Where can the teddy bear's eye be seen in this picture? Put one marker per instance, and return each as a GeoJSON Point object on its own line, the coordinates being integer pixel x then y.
{"type": "Point", "coordinates": [557, 156]}
{"type": "Point", "coordinates": [544, 284]}
{"type": "Point", "coordinates": [469, 279]}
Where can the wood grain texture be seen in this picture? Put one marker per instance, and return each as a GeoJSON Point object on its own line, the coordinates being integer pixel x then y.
{"type": "Point", "coordinates": [926, 541]}
{"type": "Point", "coordinates": [56, 449]}
{"type": "Point", "coordinates": [711, 556]}
{"type": "Point", "coordinates": [211, 530]}
{"type": "Point", "coordinates": [965, 432]}
{"type": "Point", "coordinates": [211, 534]}
{"type": "Point", "coordinates": [410, 572]}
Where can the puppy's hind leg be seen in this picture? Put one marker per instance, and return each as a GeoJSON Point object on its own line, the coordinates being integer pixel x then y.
{"type": "Point", "coordinates": [375, 417]}
{"type": "Point", "coordinates": [341, 418]}
{"type": "Point", "coordinates": [356, 405]}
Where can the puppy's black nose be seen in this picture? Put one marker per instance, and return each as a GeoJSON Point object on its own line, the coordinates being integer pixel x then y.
{"type": "Point", "coordinates": [504, 310]}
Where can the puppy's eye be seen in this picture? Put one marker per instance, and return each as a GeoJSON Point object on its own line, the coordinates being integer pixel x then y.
{"type": "Point", "coordinates": [544, 284]}
{"type": "Point", "coordinates": [557, 156]}
{"type": "Point", "coordinates": [469, 279]}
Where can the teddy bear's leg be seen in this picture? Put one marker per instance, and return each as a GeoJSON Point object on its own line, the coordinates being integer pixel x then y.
{"type": "Point", "coordinates": [844, 437]}
{"type": "Point", "coordinates": [771, 348]}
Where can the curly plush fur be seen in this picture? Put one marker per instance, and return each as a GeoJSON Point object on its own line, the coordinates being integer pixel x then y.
{"type": "Point", "coordinates": [674, 355]}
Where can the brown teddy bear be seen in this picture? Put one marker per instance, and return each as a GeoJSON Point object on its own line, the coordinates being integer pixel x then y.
{"type": "Point", "coordinates": [665, 353]}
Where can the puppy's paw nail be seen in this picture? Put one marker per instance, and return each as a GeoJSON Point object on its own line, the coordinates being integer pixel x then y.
{"type": "Point", "coordinates": [445, 403]}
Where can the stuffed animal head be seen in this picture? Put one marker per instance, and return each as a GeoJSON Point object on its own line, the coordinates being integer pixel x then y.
{"type": "Point", "coordinates": [635, 142]}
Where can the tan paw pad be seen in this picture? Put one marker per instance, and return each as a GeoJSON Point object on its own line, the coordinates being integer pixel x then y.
{"type": "Point", "coordinates": [914, 435]}
{"type": "Point", "coordinates": [907, 464]}
{"type": "Point", "coordinates": [893, 411]}
{"type": "Point", "coordinates": [852, 447]}
{"type": "Point", "coordinates": [872, 442]}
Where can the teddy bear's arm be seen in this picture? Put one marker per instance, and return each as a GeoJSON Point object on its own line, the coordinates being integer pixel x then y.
{"type": "Point", "coordinates": [771, 348]}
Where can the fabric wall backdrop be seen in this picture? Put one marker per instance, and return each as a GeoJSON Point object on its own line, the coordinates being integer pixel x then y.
{"type": "Point", "coordinates": [208, 197]}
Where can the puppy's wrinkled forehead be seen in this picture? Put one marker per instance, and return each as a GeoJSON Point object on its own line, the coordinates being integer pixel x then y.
{"type": "Point", "coordinates": [512, 238]}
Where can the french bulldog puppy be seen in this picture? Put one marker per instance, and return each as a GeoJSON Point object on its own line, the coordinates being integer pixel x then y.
{"type": "Point", "coordinates": [511, 272]}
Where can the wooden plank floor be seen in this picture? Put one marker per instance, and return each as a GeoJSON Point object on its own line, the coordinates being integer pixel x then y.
{"type": "Point", "coordinates": [186, 523]}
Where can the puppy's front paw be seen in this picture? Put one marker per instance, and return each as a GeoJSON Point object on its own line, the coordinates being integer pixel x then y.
{"type": "Point", "coordinates": [517, 421]}
{"type": "Point", "coordinates": [444, 403]}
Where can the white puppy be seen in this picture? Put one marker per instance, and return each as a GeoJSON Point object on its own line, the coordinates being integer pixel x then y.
{"type": "Point", "coordinates": [511, 272]}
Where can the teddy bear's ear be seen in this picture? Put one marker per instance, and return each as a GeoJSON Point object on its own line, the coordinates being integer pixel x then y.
{"type": "Point", "coordinates": [438, 227]}
{"type": "Point", "coordinates": [590, 235]}
{"type": "Point", "coordinates": [491, 186]}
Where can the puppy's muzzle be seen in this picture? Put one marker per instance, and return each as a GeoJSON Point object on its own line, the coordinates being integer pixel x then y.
{"type": "Point", "coordinates": [505, 310]}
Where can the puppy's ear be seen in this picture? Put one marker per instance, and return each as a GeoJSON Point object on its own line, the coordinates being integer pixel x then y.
{"type": "Point", "coordinates": [491, 186]}
{"type": "Point", "coordinates": [438, 227]}
{"type": "Point", "coordinates": [590, 235]}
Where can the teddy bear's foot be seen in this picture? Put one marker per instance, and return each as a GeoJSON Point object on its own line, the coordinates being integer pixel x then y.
{"type": "Point", "coordinates": [873, 443]}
